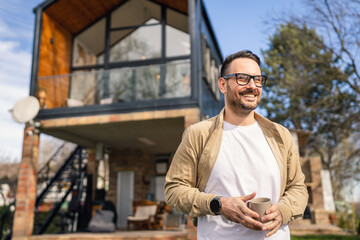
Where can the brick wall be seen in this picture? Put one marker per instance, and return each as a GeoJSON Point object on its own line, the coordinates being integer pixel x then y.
{"type": "Point", "coordinates": [143, 165]}
{"type": "Point", "coordinates": [191, 116]}
{"type": "Point", "coordinates": [26, 190]}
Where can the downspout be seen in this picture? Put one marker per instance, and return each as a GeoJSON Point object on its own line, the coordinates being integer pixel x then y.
{"type": "Point", "coordinates": [194, 28]}
{"type": "Point", "coordinates": [36, 51]}
{"type": "Point", "coordinates": [199, 56]}
{"type": "Point", "coordinates": [192, 31]}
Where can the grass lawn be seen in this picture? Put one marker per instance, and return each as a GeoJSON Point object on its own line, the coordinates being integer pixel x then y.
{"type": "Point", "coordinates": [325, 237]}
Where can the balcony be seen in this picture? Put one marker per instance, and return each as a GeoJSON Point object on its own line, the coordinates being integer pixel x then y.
{"type": "Point", "coordinates": [146, 86]}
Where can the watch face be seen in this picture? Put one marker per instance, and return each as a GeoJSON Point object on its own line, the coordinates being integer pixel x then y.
{"type": "Point", "coordinates": [215, 206]}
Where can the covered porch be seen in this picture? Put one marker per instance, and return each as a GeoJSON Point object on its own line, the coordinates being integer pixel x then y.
{"type": "Point", "coordinates": [132, 165]}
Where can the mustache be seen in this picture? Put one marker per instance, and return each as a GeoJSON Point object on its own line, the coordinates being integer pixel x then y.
{"type": "Point", "coordinates": [249, 91]}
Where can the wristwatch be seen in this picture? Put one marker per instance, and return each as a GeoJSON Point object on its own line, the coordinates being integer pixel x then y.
{"type": "Point", "coordinates": [215, 205]}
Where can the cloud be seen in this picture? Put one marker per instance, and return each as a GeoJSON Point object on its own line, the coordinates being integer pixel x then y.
{"type": "Point", "coordinates": [15, 16]}
{"type": "Point", "coordinates": [11, 138]}
{"type": "Point", "coordinates": [4, 30]}
{"type": "Point", "coordinates": [15, 63]}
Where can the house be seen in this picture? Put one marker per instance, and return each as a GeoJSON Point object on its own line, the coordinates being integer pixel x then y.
{"type": "Point", "coordinates": [122, 79]}
{"type": "Point", "coordinates": [319, 216]}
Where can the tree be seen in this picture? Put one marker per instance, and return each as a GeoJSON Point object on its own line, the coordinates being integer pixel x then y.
{"type": "Point", "coordinates": [338, 21]}
{"type": "Point", "coordinates": [302, 80]}
{"type": "Point", "coordinates": [306, 91]}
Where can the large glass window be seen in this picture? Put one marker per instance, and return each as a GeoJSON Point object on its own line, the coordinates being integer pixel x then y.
{"type": "Point", "coordinates": [104, 74]}
{"type": "Point", "coordinates": [85, 88]}
{"type": "Point", "coordinates": [88, 47]}
{"type": "Point", "coordinates": [177, 79]}
{"type": "Point", "coordinates": [177, 34]}
{"type": "Point", "coordinates": [130, 84]}
{"type": "Point", "coordinates": [135, 12]}
{"type": "Point", "coordinates": [136, 43]}
{"type": "Point", "coordinates": [149, 82]}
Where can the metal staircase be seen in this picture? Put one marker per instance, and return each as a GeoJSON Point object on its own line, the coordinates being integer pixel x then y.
{"type": "Point", "coordinates": [70, 178]}
{"type": "Point", "coordinates": [61, 194]}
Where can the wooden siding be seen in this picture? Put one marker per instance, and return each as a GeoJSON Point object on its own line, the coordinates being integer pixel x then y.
{"type": "Point", "coordinates": [180, 5]}
{"type": "Point", "coordinates": [55, 59]}
{"type": "Point", "coordinates": [77, 15]}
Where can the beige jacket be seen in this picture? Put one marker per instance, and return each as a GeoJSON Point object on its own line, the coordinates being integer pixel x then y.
{"type": "Point", "coordinates": [196, 156]}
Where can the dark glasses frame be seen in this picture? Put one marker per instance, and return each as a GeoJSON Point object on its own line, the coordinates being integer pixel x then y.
{"type": "Point", "coordinates": [249, 77]}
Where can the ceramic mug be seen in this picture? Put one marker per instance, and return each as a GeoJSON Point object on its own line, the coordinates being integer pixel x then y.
{"type": "Point", "coordinates": [260, 205]}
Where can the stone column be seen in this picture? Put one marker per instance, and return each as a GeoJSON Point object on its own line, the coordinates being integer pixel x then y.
{"type": "Point", "coordinates": [317, 191]}
{"type": "Point", "coordinates": [26, 188]}
{"type": "Point", "coordinates": [320, 215]}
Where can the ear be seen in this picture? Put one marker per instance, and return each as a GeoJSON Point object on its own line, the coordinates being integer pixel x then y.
{"type": "Point", "coordinates": [222, 85]}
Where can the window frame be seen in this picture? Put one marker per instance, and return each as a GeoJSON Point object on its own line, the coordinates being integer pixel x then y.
{"type": "Point", "coordinates": [133, 63]}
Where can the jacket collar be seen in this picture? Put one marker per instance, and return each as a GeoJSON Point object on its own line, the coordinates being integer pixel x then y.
{"type": "Point", "coordinates": [264, 122]}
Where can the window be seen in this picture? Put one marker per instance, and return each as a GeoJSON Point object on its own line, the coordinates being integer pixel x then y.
{"type": "Point", "coordinates": [133, 66]}
{"type": "Point", "coordinates": [136, 43]}
{"type": "Point", "coordinates": [177, 34]}
{"type": "Point", "coordinates": [178, 79]}
{"type": "Point", "coordinates": [135, 12]}
{"type": "Point", "coordinates": [88, 47]}
{"type": "Point", "coordinates": [85, 87]}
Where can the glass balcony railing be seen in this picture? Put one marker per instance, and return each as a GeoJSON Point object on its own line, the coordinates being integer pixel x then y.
{"type": "Point", "coordinates": [81, 88]}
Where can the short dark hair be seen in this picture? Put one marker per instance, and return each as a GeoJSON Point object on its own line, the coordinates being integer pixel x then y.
{"type": "Point", "coordinates": [240, 54]}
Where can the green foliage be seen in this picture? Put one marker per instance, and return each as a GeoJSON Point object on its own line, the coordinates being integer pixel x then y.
{"type": "Point", "coordinates": [302, 78]}
{"type": "Point", "coordinates": [54, 226]}
{"type": "Point", "coordinates": [344, 221]}
{"type": "Point", "coordinates": [8, 220]}
{"type": "Point", "coordinates": [308, 92]}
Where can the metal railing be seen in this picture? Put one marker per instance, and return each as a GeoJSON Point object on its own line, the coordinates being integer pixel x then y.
{"type": "Point", "coordinates": [129, 84]}
{"type": "Point", "coordinates": [68, 178]}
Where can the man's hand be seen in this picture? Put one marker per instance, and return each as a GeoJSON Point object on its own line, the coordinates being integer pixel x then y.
{"type": "Point", "coordinates": [235, 209]}
{"type": "Point", "coordinates": [273, 214]}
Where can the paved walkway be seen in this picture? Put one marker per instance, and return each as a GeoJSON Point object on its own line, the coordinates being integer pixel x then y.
{"type": "Point", "coordinates": [118, 235]}
{"type": "Point", "coordinates": [300, 229]}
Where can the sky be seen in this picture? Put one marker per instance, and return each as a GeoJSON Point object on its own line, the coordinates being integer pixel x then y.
{"type": "Point", "coordinates": [238, 25]}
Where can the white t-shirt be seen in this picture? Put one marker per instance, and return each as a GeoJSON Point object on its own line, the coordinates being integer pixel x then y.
{"type": "Point", "coordinates": [245, 164]}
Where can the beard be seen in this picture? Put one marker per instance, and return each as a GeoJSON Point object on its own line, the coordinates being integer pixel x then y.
{"type": "Point", "coordinates": [237, 104]}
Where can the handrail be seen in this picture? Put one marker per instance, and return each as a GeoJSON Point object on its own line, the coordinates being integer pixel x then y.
{"type": "Point", "coordinates": [77, 177]}
{"type": "Point", "coordinates": [55, 210]}
{"type": "Point", "coordinates": [57, 175]}
{"type": "Point", "coordinates": [65, 166]}
{"type": "Point", "coordinates": [48, 161]}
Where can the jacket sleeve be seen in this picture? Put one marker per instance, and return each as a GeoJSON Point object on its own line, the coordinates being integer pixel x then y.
{"type": "Point", "coordinates": [180, 186]}
{"type": "Point", "coordinates": [295, 198]}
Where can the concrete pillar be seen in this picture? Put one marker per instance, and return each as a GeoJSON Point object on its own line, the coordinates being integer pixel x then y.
{"type": "Point", "coordinates": [26, 188]}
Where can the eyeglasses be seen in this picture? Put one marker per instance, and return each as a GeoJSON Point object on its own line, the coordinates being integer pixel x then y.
{"type": "Point", "coordinates": [243, 79]}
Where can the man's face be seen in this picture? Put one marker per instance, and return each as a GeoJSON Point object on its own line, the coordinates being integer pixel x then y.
{"type": "Point", "coordinates": [243, 98]}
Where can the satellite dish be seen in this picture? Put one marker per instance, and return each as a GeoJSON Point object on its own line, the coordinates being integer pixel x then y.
{"type": "Point", "coordinates": [25, 109]}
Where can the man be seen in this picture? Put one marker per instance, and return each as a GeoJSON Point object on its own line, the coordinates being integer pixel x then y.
{"type": "Point", "coordinates": [227, 160]}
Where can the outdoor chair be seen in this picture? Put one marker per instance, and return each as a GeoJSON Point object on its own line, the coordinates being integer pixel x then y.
{"type": "Point", "coordinates": [144, 216]}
